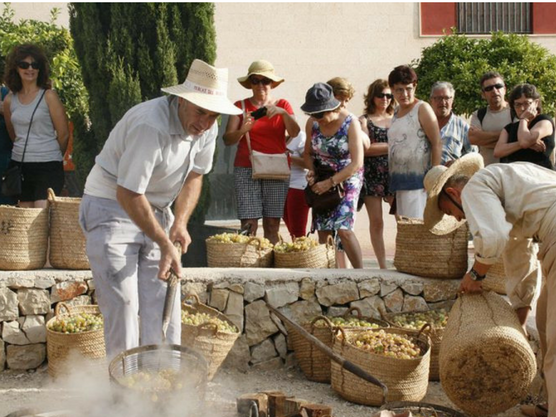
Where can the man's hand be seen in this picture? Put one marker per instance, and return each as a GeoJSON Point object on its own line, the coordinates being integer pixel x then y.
{"type": "Point", "coordinates": [169, 258]}
{"type": "Point", "coordinates": [468, 286]}
{"type": "Point", "coordinates": [179, 233]}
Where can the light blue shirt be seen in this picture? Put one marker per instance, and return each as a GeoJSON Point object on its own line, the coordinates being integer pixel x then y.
{"type": "Point", "coordinates": [455, 139]}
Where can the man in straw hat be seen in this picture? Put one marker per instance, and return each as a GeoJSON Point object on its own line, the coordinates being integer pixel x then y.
{"type": "Point", "coordinates": [155, 156]}
{"type": "Point", "coordinates": [499, 202]}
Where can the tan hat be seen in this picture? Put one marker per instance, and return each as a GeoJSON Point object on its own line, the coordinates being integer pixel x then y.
{"type": "Point", "coordinates": [263, 68]}
{"type": "Point", "coordinates": [206, 87]}
{"type": "Point", "coordinates": [434, 219]}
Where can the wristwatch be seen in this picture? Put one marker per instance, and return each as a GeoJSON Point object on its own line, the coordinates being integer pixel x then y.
{"type": "Point", "coordinates": [475, 276]}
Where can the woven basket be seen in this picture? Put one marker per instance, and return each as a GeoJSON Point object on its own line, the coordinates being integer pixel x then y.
{"type": "Point", "coordinates": [67, 241]}
{"type": "Point", "coordinates": [420, 252]}
{"type": "Point", "coordinates": [321, 256]}
{"type": "Point", "coordinates": [59, 345]}
{"type": "Point", "coordinates": [23, 238]}
{"type": "Point", "coordinates": [314, 363]}
{"type": "Point", "coordinates": [435, 334]}
{"type": "Point", "coordinates": [406, 379]}
{"type": "Point", "coordinates": [496, 278]}
{"type": "Point", "coordinates": [421, 409]}
{"type": "Point", "coordinates": [214, 345]}
{"type": "Point", "coordinates": [486, 363]}
{"type": "Point", "coordinates": [238, 255]}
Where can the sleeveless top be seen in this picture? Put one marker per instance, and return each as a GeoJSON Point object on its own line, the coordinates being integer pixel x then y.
{"type": "Point", "coordinates": [42, 145]}
{"type": "Point", "coordinates": [409, 151]}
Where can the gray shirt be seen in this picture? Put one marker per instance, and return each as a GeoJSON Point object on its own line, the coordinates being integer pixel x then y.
{"type": "Point", "coordinates": [493, 121]}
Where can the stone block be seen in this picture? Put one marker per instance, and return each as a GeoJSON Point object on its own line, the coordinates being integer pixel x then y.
{"type": "Point", "coordinates": [237, 288]}
{"type": "Point", "coordinates": [64, 291]}
{"type": "Point", "coordinates": [253, 291]}
{"type": "Point", "coordinates": [338, 294]}
{"type": "Point", "coordinates": [413, 303]}
{"type": "Point", "coordinates": [219, 298]}
{"type": "Point", "coordinates": [81, 300]}
{"type": "Point", "coordinates": [8, 305]}
{"type": "Point", "coordinates": [12, 333]}
{"type": "Point", "coordinates": [280, 345]}
{"type": "Point", "coordinates": [412, 287]}
{"type": "Point", "coordinates": [25, 357]}
{"type": "Point", "coordinates": [369, 287]}
{"type": "Point", "coordinates": [387, 288]}
{"type": "Point", "coordinates": [198, 288]}
{"type": "Point", "coordinates": [90, 285]}
{"type": "Point", "coordinates": [302, 311]}
{"type": "Point", "coordinates": [336, 311]}
{"type": "Point", "coordinates": [17, 282]}
{"type": "Point", "coordinates": [34, 328]}
{"type": "Point", "coordinates": [270, 365]}
{"type": "Point", "coordinates": [45, 282]}
{"type": "Point", "coordinates": [370, 306]}
{"type": "Point", "coordinates": [258, 324]}
{"type": "Point", "coordinates": [307, 289]}
{"type": "Point", "coordinates": [32, 301]}
{"type": "Point", "coordinates": [263, 352]}
{"type": "Point", "coordinates": [234, 309]}
{"type": "Point", "coordinates": [283, 293]}
{"type": "Point", "coordinates": [394, 301]}
{"type": "Point", "coordinates": [441, 290]}
{"type": "Point", "coordinates": [239, 356]}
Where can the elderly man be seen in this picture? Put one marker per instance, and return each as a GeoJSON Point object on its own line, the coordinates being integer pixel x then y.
{"type": "Point", "coordinates": [155, 156]}
{"type": "Point", "coordinates": [488, 122]}
{"type": "Point", "coordinates": [453, 129]}
{"type": "Point", "coordinates": [499, 202]}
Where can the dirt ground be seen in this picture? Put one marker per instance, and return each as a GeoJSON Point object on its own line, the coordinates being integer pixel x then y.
{"type": "Point", "coordinates": [35, 390]}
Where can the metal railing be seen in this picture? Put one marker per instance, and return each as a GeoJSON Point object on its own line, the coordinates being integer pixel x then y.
{"type": "Point", "coordinates": [478, 18]}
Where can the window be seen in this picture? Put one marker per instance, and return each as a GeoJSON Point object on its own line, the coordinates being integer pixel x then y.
{"type": "Point", "coordinates": [483, 18]}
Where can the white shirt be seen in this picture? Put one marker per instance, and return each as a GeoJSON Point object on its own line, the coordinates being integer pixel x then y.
{"type": "Point", "coordinates": [296, 146]}
{"type": "Point", "coordinates": [149, 152]}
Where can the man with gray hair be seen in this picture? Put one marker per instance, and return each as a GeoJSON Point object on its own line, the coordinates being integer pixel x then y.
{"type": "Point", "coordinates": [453, 129]}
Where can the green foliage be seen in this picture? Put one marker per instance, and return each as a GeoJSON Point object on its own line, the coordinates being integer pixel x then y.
{"type": "Point", "coordinates": [462, 61]}
{"type": "Point", "coordinates": [128, 51]}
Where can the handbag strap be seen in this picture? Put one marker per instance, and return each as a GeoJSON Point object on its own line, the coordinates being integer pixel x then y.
{"type": "Point", "coordinates": [30, 123]}
{"type": "Point", "coordinates": [247, 137]}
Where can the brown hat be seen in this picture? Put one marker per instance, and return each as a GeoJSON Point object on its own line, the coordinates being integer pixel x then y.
{"type": "Point", "coordinates": [263, 68]}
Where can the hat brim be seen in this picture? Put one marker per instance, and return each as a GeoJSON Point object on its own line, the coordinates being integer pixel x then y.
{"type": "Point", "coordinates": [434, 219]}
{"type": "Point", "coordinates": [217, 104]}
{"type": "Point", "coordinates": [276, 81]}
{"type": "Point", "coordinates": [329, 106]}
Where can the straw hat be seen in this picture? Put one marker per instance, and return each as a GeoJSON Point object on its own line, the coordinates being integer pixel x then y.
{"type": "Point", "coordinates": [262, 68]}
{"type": "Point", "coordinates": [435, 220]}
{"type": "Point", "coordinates": [320, 98]}
{"type": "Point", "coordinates": [206, 87]}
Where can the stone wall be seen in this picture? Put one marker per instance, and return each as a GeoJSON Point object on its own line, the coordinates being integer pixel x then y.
{"type": "Point", "coordinates": [27, 300]}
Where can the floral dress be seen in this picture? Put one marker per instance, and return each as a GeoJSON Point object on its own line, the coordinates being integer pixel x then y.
{"type": "Point", "coordinates": [333, 151]}
{"type": "Point", "coordinates": [376, 180]}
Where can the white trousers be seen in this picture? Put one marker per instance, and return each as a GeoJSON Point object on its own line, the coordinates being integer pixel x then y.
{"type": "Point", "coordinates": [124, 263]}
{"type": "Point", "coordinates": [411, 203]}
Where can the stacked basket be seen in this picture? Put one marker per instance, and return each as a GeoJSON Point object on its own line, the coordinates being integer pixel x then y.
{"type": "Point", "coordinates": [206, 338]}
{"type": "Point", "coordinates": [251, 254]}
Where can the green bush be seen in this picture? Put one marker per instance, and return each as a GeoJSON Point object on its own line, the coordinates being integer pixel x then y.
{"type": "Point", "coordinates": [462, 61]}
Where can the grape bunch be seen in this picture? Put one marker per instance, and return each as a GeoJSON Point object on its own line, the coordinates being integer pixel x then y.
{"type": "Point", "coordinates": [350, 321]}
{"type": "Point", "coordinates": [301, 244]}
{"type": "Point", "coordinates": [436, 318]}
{"type": "Point", "coordinates": [197, 319]}
{"type": "Point", "coordinates": [154, 382]}
{"type": "Point", "coordinates": [388, 344]}
{"type": "Point", "coordinates": [237, 238]}
{"type": "Point", "coordinates": [77, 323]}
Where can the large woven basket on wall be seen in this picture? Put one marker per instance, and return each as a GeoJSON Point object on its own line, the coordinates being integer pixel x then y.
{"type": "Point", "coordinates": [321, 256]}
{"type": "Point", "coordinates": [420, 252]}
{"type": "Point", "coordinates": [23, 238]}
{"type": "Point", "coordinates": [238, 255]}
{"type": "Point", "coordinates": [206, 339]}
{"type": "Point", "coordinates": [59, 345]}
{"type": "Point", "coordinates": [496, 278]}
{"type": "Point", "coordinates": [486, 363]}
{"type": "Point", "coordinates": [314, 363]}
{"type": "Point", "coordinates": [67, 241]}
{"type": "Point", "coordinates": [406, 379]}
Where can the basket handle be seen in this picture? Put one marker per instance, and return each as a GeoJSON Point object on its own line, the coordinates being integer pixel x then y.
{"type": "Point", "coordinates": [423, 328]}
{"type": "Point", "coordinates": [329, 241]}
{"type": "Point", "coordinates": [382, 313]}
{"type": "Point", "coordinates": [321, 318]}
{"type": "Point", "coordinates": [62, 306]}
{"type": "Point", "coordinates": [206, 325]}
{"type": "Point", "coordinates": [51, 195]}
{"type": "Point", "coordinates": [338, 330]}
{"type": "Point", "coordinates": [193, 296]}
{"type": "Point", "coordinates": [352, 309]}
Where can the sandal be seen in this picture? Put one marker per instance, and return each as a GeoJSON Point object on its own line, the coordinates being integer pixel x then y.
{"type": "Point", "coordinates": [530, 410]}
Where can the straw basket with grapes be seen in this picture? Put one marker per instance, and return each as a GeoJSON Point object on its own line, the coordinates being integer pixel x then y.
{"type": "Point", "coordinates": [304, 252]}
{"type": "Point", "coordinates": [227, 250]}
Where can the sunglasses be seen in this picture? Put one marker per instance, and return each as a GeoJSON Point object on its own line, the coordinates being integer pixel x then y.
{"type": "Point", "coordinates": [317, 116]}
{"type": "Point", "coordinates": [492, 87]}
{"type": "Point", "coordinates": [26, 65]}
{"type": "Point", "coordinates": [388, 96]}
{"type": "Point", "coordinates": [263, 81]}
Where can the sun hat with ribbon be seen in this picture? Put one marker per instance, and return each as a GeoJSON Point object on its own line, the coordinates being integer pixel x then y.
{"type": "Point", "coordinates": [320, 98]}
{"type": "Point", "coordinates": [264, 69]}
{"type": "Point", "coordinates": [434, 219]}
{"type": "Point", "coordinates": [206, 87]}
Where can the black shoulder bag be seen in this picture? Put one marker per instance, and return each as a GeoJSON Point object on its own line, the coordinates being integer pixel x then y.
{"type": "Point", "coordinates": [13, 177]}
{"type": "Point", "coordinates": [328, 200]}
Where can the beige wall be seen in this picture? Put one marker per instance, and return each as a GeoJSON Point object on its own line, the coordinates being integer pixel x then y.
{"type": "Point", "coordinates": [40, 11]}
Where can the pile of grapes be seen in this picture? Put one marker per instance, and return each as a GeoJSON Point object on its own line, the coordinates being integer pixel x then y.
{"type": "Point", "coordinates": [387, 344]}
{"type": "Point", "coordinates": [300, 244]}
{"type": "Point", "coordinates": [350, 321]}
{"type": "Point", "coordinates": [154, 382]}
{"type": "Point", "coordinates": [196, 319]}
{"type": "Point", "coordinates": [77, 323]}
{"type": "Point", "coordinates": [436, 318]}
{"type": "Point", "coordinates": [237, 238]}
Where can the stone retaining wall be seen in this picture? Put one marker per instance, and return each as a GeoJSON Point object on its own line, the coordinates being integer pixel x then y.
{"type": "Point", "coordinates": [27, 300]}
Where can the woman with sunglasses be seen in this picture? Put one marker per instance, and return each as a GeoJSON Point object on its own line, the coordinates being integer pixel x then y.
{"type": "Point", "coordinates": [531, 137]}
{"type": "Point", "coordinates": [37, 124]}
{"type": "Point", "coordinates": [334, 141]}
{"type": "Point", "coordinates": [379, 108]}
{"type": "Point", "coordinates": [267, 133]}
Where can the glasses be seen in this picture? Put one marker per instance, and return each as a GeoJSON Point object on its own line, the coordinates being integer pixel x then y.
{"type": "Point", "coordinates": [387, 95]}
{"type": "Point", "coordinates": [441, 98]}
{"type": "Point", "coordinates": [489, 88]}
{"type": "Point", "coordinates": [26, 65]}
{"type": "Point", "coordinates": [263, 81]}
{"type": "Point", "coordinates": [524, 105]}
{"type": "Point", "coordinates": [317, 116]}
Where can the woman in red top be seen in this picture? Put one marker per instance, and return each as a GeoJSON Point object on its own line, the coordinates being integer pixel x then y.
{"type": "Point", "coordinates": [260, 198]}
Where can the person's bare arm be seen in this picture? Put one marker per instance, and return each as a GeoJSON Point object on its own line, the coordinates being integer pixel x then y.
{"type": "Point", "coordinates": [59, 119]}
{"type": "Point", "coordinates": [486, 139]}
{"type": "Point", "coordinates": [503, 148]}
{"type": "Point", "coordinates": [429, 123]}
{"type": "Point", "coordinates": [8, 116]}
{"type": "Point", "coordinates": [289, 119]}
